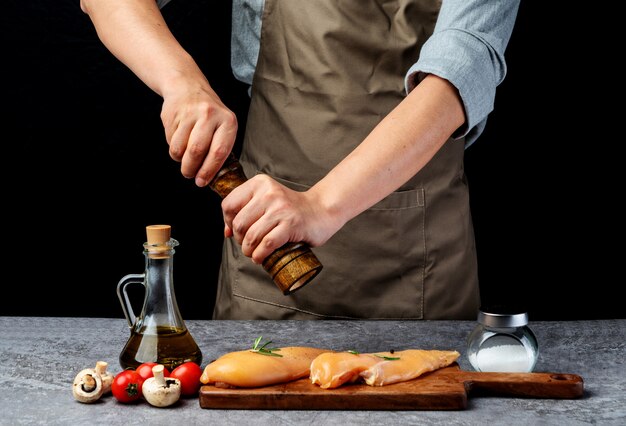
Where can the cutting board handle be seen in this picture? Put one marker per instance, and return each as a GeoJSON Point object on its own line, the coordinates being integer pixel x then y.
{"type": "Point", "coordinates": [534, 385]}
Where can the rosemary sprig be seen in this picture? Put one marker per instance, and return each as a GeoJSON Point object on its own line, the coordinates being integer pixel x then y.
{"type": "Point", "coordinates": [263, 349]}
{"type": "Point", "coordinates": [388, 358]}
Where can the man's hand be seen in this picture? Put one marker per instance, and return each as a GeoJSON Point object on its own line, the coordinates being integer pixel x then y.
{"type": "Point", "coordinates": [199, 129]}
{"type": "Point", "coordinates": [262, 215]}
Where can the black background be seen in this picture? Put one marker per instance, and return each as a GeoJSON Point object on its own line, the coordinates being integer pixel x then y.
{"type": "Point", "coordinates": [86, 168]}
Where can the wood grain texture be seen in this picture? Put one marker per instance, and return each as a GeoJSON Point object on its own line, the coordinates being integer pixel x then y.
{"type": "Point", "coordinates": [444, 389]}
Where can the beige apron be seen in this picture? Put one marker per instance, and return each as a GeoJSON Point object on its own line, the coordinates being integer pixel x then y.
{"type": "Point", "coordinates": [328, 72]}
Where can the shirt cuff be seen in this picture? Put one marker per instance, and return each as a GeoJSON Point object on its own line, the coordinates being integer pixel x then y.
{"type": "Point", "coordinates": [162, 3]}
{"type": "Point", "coordinates": [466, 62]}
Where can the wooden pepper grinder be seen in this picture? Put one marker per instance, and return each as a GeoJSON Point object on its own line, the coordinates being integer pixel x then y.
{"type": "Point", "coordinates": [291, 266]}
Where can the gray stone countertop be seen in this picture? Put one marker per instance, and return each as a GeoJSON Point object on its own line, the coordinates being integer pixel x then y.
{"type": "Point", "coordinates": [39, 358]}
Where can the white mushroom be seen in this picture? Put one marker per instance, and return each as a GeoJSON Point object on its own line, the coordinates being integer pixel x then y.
{"type": "Point", "coordinates": [87, 386]}
{"type": "Point", "coordinates": [107, 378]}
{"type": "Point", "coordinates": [159, 390]}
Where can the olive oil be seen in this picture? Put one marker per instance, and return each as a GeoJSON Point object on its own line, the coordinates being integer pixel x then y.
{"type": "Point", "coordinates": [168, 346]}
{"type": "Point", "coordinates": [159, 333]}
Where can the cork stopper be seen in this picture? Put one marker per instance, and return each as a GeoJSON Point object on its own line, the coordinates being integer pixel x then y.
{"type": "Point", "coordinates": [157, 237]}
{"type": "Point", "coordinates": [158, 234]}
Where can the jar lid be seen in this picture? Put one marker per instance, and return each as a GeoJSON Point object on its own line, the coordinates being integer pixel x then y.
{"type": "Point", "coordinates": [502, 320]}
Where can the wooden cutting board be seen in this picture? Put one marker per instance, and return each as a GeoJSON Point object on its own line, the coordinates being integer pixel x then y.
{"type": "Point", "coordinates": [444, 389]}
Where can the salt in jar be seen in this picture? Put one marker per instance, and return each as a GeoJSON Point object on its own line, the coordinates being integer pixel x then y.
{"type": "Point", "coordinates": [502, 343]}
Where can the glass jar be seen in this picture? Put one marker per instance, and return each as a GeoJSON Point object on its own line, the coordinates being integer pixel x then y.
{"type": "Point", "coordinates": [502, 343]}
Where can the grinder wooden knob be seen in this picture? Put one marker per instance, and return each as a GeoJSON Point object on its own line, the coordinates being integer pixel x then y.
{"type": "Point", "coordinates": [291, 266]}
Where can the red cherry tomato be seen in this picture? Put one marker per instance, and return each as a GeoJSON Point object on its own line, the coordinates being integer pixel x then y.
{"type": "Point", "coordinates": [126, 386]}
{"type": "Point", "coordinates": [189, 375]}
{"type": "Point", "coordinates": [145, 370]}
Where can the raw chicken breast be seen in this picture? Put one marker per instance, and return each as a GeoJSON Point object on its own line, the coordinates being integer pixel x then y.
{"type": "Point", "coordinates": [412, 363]}
{"type": "Point", "coordinates": [248, 369]}
{"type": "Point", "coordinates": [331, 370]}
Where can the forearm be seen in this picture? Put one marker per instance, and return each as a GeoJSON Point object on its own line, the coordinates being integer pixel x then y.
{"type": "Point", "coordinates": [199, 128]}
{"type": "Point", "coordinates": [136, 33]}
{"type": "Point", "coordinates": [398, 147]}
{"type": "Point", "coordinates": [467, 49]}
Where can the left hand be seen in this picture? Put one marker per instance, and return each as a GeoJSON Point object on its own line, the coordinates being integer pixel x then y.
{"type": "Point", "coordinates": [262, 215]}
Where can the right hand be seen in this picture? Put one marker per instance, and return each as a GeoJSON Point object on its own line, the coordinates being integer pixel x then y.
{"type": "Point", "coordinates": [199, 129]}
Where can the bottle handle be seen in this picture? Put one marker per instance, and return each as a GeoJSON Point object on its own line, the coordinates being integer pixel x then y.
{"type": "Point", "coordinates": [123, 295]}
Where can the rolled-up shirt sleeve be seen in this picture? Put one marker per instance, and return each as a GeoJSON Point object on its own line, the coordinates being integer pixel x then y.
{"type": "Point", "coordinates": [162, 3]}
{"type": "Point", "coordinates": [467, 49]}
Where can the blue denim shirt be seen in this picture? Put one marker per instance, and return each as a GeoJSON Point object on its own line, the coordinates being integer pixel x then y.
{"type": "Point", "coordinates": [466, 48]}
